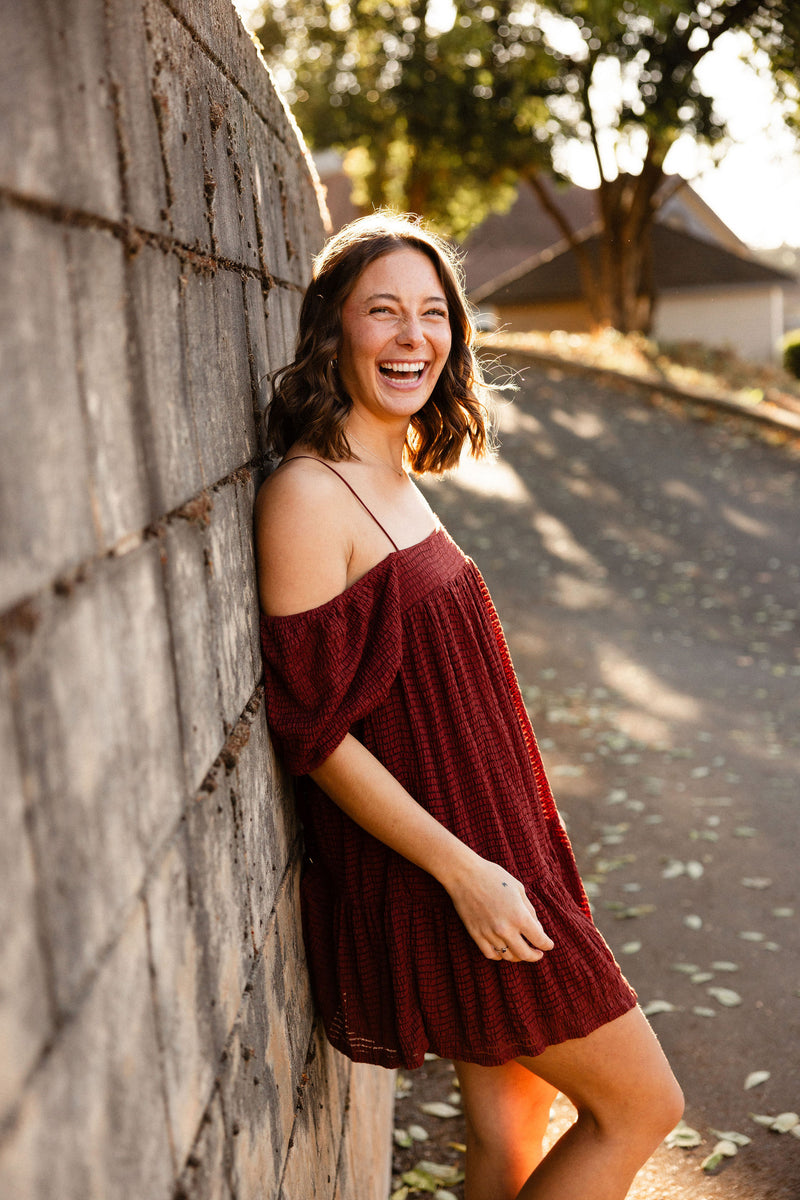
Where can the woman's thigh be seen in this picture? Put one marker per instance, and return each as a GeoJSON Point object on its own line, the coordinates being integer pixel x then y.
{"type": "Point", "coordinates": [504, 1105]}
{"type": "Point", "coordinates": [618, 1072]}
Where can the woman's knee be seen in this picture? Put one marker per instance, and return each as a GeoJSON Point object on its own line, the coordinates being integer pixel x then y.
{"type": "Point", "coordinates": [618, 1078]}
{"type": "Point", "coordinates": [641, 1117]}
{"type": "Point", "coordinates": [504, 1106]}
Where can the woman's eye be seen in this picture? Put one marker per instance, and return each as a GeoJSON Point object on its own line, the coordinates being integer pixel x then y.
{"type": "Point", "coordinates": [436, 312]}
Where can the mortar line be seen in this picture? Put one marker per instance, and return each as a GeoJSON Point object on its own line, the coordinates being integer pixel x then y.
{"type": "Point", "coordinates": [235, 84]}
{"type": "Point", "coordinates": [191, 510]}
{"type": "Point", "coordinates": [134, 237]}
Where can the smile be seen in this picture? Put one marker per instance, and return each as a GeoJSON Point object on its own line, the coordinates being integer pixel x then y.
{"type": "Point", "coordinates": [401, 369]}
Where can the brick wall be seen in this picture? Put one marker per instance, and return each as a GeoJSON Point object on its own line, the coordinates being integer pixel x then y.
{"type": "Point", "coordinates": [157, 218]}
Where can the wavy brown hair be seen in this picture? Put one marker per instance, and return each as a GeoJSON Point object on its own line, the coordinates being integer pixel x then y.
{"type": "Point", "coordinates": [309, 402]}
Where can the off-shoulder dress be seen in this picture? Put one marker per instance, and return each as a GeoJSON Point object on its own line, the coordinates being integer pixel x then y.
{"type": "Point", "coordinates": [411, 659]}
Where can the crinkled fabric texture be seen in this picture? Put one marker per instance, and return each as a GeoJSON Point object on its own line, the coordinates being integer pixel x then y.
{"type": "Point", "coordinates": [411, 659]}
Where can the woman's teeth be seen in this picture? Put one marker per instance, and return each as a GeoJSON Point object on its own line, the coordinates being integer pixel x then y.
{"type": "Point", "coordinates": [402, 369]}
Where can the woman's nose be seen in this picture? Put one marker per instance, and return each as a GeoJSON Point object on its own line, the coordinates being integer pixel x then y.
{"type": "Point", "coordinates": [410, 333]}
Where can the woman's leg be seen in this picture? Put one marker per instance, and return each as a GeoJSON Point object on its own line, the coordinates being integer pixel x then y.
{"type": "Point", "coordinates": [506, 1110]}
{"type": "Point", "coordinates": [627, 1100]}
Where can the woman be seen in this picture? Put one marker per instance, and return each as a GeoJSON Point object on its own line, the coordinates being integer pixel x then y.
{"type": "Point", "coordinates": [442, 907]}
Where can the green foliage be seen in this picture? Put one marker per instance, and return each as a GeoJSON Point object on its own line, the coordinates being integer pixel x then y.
{"type": "Point", "coordinates": [502, 91]}
{"type": "Point", "coordinates": [791, 352]}
{"type": "Point", "coordinates": [445, 121]}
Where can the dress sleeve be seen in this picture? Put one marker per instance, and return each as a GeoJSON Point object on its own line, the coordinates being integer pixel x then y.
{"type": "Point", "coordinates": [329, 667]}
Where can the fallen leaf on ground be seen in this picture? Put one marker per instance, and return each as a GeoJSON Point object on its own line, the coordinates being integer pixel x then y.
{"type": "Point", "coordinates": [723, 1149]}
{"type": "Point", "coordinates": [725, 996]}
{"type": "Point", "coordinates": [438, 1108]}
{"type": "Point", "coordinates": [755, 1078]}
{"type": "Point", "coordinates": [683, 1136]}
{"type": "Point", "coordinates": [658, 1006]}
{"type": "Point", "coordinates": [784, 1122]}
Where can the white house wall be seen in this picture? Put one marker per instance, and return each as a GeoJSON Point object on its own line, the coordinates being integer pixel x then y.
{"type": "Point", "coordinates": [748, 320]}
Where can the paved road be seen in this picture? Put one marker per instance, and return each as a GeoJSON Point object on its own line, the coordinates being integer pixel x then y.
{"type": "Point", "coordinates": [646, 567]}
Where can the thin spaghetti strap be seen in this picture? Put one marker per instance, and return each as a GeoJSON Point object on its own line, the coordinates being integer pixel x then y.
{"type": "Point", "coordinates": [352, 489]}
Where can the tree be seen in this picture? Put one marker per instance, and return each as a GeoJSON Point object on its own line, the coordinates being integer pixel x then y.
{"type": "Point", "coordinates": [445, 121]}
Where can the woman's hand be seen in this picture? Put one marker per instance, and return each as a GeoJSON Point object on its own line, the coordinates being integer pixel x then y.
{"type": "Point", "coordinates": [497, 914]}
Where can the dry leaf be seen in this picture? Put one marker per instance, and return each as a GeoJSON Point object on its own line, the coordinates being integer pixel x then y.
{"type": "Point", "coordinates": [755, 1078]}
{"type": "Point", "coordinates": [403, 1138]}
{"type": "Point", "coordinates": [699, 1011]}
{"type": "Point", "coordinates": [725, 996]}
{"type": "Point", "coordinates": [784, 1122]}
{"type": "Point", "coordinates": [721, 965]}
{"type": "Point", "coordinates": [683, 1136]}
{"type": "Point", "coordinates": [723, 1149]}
{"type": "Point", "coordinates": [418, 1133]}
{"type": "Point", "coordinates": [739, 1139]}
{"type": "Point", "coordinates": [757, 883]}
{"type": "Point", "coordinates": [658, 1006]}
{"type": "Point", "coordinates": [762, 1119]}
{"type": "Point", "coordinates": [692, 921]}
{"type": "Point", "coordinates": [438, 1108]}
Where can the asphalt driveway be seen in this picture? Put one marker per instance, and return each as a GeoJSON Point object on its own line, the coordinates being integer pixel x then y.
{"type": "Point", "coordinates": [645, 562]}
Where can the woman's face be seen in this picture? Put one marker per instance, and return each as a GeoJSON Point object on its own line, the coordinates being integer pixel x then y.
{"type": "Point", "coordinates": [395, 335]}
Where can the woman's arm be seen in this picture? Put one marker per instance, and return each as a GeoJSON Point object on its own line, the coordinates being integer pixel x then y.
{"type": "Point", "coordinates": [491, 902]}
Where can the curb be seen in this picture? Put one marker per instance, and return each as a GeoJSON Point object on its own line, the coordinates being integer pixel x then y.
{"type": "Point", "coordinates": [778, 418]}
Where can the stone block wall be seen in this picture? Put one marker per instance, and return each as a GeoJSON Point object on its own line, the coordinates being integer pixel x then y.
{"type": "Point", "coordinates": [157, 219]}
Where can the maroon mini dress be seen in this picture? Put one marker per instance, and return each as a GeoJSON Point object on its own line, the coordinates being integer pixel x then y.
{"type": "Point", "coordinates": [411, 659]}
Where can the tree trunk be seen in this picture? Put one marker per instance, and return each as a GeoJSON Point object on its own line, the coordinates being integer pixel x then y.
{"type": "Point", "coordinates": [627, 208]}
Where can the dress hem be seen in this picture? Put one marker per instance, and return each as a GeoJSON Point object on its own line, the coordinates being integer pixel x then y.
{"type": "Point", "coordinates": [395, 1061]}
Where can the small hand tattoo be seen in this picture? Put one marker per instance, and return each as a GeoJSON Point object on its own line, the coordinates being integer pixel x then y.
{"type": "Point", "coordinates": [505, 884]}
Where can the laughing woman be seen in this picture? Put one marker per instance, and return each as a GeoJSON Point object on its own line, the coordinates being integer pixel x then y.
{"type": "Point", "coordinates": [442, 907]}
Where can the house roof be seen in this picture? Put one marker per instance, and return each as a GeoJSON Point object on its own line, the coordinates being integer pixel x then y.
{"type": "Point", "coordinates": [504, 240]}
{"type": "Point", "coordinates": [521, 258]}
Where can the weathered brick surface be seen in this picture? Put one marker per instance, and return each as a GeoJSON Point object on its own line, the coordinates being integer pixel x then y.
{"type": "Point", "coordinates": [92, 1125]}
{"type": "Point", "coordinates": [118, 490]}
{"type": "Point", "coordinates": [99, 745]}
{"type": "Point", "coordinates": [164, 411]}
{"type": "Point", "coordinates": [218, 372]}
{"type": "Point", "coordinates": [158, 217]}
{"type": "Point", "coordinates": [44, 485]}
{"type": "Point", "coordinates": [25, 1020]}
{"type": "Point", "coordinates": [56, 109]}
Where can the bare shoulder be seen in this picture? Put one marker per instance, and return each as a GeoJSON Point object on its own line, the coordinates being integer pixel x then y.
{"type": "Point", "coordinates": [302, 539]}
